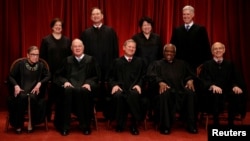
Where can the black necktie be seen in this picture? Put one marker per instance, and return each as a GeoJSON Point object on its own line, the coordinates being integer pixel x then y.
{"type": "Point", "coordinates": [187, 27]}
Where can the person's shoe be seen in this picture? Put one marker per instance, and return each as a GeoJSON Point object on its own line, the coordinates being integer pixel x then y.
{"type": "Point", "coordinates": [118, 129]}
{"type": "Point", "coordinates": [165, 131]}
{"type": "Point", "coordinates": [134, 131]}
{"type": "Point", "coordinates": [30, 130]}
{"type": "Point", "coordinates": [18, 131]}
{"type": "Point", "coordinates": [192, 130]}
{"type": "Point", "coordinates": [64, 132]}
{"type": "Point", "coordinates": [86, 131]}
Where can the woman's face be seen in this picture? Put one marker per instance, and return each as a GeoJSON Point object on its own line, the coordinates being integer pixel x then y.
{"type": "Point", "coordinates": [33, 56]}
{"type": "Point", "coordinates": [146, 27]}
{"type": "Point", "coordinates": [57, 28]}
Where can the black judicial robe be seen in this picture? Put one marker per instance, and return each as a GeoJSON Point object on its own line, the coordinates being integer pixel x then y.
{"type": "Point", "coordinates": [177, 98]}
{"type": "Point", "coordinates": [27, 76]}
{"type": "Point", "coordinates": [103, 45]}
{"type": "Point", "coordinates": [193, 45]}
{"type": "Point", "coordinates": [77, 99]}
{"type": "Point", "coordinates": [54, 51]}
{"type": "Point", "coordinates": [126, 75]}
{"type": "Point", "coordinates": [226, 76]}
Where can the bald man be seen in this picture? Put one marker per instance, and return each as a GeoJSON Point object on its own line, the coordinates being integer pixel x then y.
{"type": "Point", "coordinates": [223, 82]}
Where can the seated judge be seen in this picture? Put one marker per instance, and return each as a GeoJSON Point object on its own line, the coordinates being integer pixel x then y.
{"type": "Point", "coordinates": [125, 80]}
{"type": "Point", "coordinates": [28, 76]}
{"type": "Point", "coordinates": [78, 76]}
{"type": "Point", "coordinates": [176, 91]}
{"type": "Point", "coordinates": [223, 83]}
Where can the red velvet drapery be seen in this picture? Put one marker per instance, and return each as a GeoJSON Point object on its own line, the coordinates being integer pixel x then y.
{"type": "Point", "coordinates": [25, 22]}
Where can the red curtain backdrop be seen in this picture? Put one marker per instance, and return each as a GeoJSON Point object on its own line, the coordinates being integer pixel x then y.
{"type": "Point", "coordinates": [24, 22]}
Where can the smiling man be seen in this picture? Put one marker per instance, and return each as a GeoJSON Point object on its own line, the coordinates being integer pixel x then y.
{"type": "Point", "coordinates": [193, 44]}
{"type": "Point", "coordinates": [223, 82]}
{"type": "Point", "coordinates": [125, 81]}
{"type": "Point", "coordinates": [176, 91]}
{"type": "Point", "coordinates": [78, 76]}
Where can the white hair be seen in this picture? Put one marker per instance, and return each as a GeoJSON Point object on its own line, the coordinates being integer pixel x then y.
{"type": "Point", "coordinates": [188, 7]}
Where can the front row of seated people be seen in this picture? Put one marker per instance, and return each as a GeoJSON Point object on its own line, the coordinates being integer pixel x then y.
{"type": "Point", "coordinates": [78, 81]}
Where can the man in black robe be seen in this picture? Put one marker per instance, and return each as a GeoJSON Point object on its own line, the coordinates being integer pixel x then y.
{"type": "Point", "coordinates": [176, 91]}
{"type": "Point", "coordinates": [125, 79]}
{"type": "Point", "coordinates": [192, 44]}
{"type": "Point", "coordinates": [78, 76]}
{"type": "Point", "coordinates": [223, 82]}
{"type": "Point", "coordinates": [101, 42]}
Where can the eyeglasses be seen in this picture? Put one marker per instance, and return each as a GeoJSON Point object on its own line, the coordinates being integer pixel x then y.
{"type": "Point", "coordinates": [33, 55]}
{"type": "Point", "coordinates": [218, 48]}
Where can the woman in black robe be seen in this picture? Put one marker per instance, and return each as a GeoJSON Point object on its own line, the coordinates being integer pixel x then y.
{"type": "Point", "coordinates": [27, 76]}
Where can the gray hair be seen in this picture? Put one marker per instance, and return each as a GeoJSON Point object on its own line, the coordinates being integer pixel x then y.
{"type": "Point", "coordinates": [188, 7]}
{"type": "Point", "coordinates": [169, 45]}
{"type": "Point", "coordinates": [127, 41]}
{"type": "Point", "coordinates": [31, 48]}
{"type": "Point", "coordinates": [222, 45]}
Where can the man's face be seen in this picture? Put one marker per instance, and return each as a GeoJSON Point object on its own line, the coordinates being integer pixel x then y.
{"type": "Point", "coordinates": [129, 49]}
{"type": "Point", "coordinates": [187, 16]}
{"type": "Point", "coordinates": [77, 48]}
{"type": "Point", "coordinates": [96, 16]}
{"type": "Point", "coordinates": [169, 53]}
{"type": "Point", "coordinates": [218, 50]}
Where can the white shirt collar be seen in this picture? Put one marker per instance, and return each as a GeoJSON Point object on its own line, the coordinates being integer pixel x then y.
{"type": "Point", "coordinates": [79, 58]}
{"type": "Point", "coordinates": [100, 25]}
{"type": "Point", "coordinates": [128, 57]}
{"type": "Point", "coordinates": [190, 24]}
{"type": "Point", "coordinates": [217, 60]}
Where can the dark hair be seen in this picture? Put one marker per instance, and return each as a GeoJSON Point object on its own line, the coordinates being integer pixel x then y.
{"type": "Point", "coordinates": [147, 19]}
{"type": "Point", "coordinates": [32, 48]}
{"type": "Point", "coordinates": [52, 23]}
